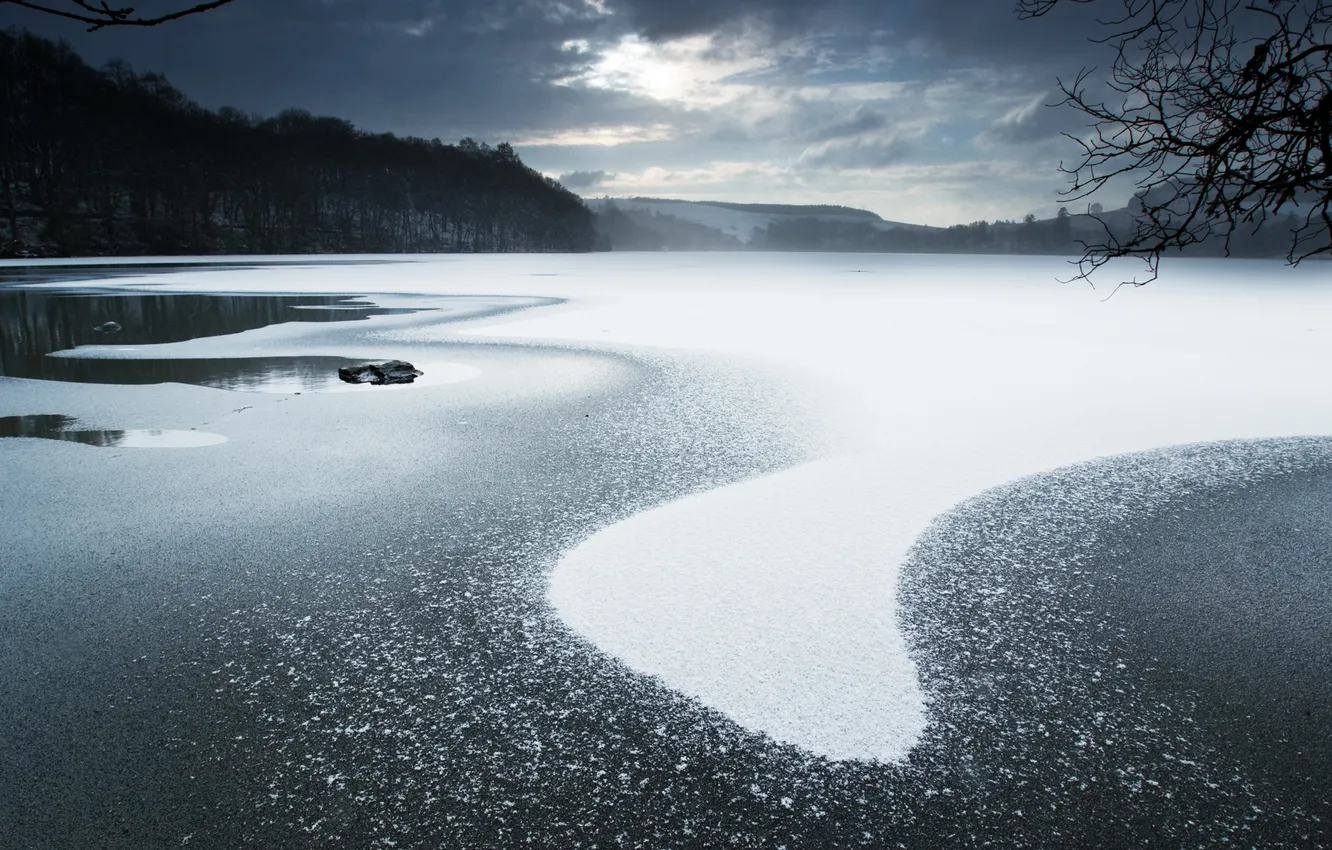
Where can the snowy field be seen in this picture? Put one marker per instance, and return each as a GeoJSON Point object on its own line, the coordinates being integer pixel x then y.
{"type": "Point", "coordinates": [690, 551]}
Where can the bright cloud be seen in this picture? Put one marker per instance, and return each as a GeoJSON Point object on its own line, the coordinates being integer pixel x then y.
{"type": "Point", "coordinates": [697, 71]}
{"type": "Point", "coordinates": [602, 137]}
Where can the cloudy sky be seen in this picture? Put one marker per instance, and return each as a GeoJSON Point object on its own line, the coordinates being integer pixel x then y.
{"type": "Point", "coordinates": [921, 110]}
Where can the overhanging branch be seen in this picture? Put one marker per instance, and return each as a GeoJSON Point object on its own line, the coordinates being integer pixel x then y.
{"type": "Point", "coordinates": [1220, 111]}
{"type": "Point", "coordinates": [100, 15]}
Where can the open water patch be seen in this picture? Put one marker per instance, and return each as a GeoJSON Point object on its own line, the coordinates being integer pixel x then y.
{"type": "Point", "coordinates": [109, 337]}
{"type": "Point", "coordinates": [36, 324]}
{"type": "Point", "coordinates": [52, 426]}
{"type": "Point", "coordinates": [65, 271]}
{"type": "Point", "coordinates": [296, 374]}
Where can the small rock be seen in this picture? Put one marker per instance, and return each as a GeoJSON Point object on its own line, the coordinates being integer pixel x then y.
{"type": "Point", "coordinates": [392, 372]}
{"type": "Point", "coordinates": [108, 328]}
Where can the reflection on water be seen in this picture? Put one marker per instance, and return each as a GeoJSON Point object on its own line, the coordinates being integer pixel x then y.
{"type": "Point", "coordinates": [256, 374]}
{"type": "Point", "coordinates": [66, 272]}
{"type": "Point", "coordinates": [245, 374]}
{"type": "Point", "coordinates": [52, 426]}
{"type": "Point", "coordinates": [33, 324]}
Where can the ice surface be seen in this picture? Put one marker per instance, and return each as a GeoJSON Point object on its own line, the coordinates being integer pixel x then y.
{"type": "Point", "coordinates": [962, 377]}
{"type": "Point", "coordinates": [773, 600]}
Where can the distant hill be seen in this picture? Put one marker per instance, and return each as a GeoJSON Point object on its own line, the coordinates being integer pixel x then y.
{"type": "Point", "coordinates": [808, 210]}
{"type": "Point", "coordinates": [654, 224]}
{"type": "Point", "coordinates": [659, 223]}
{"type": "Point", "coordinates": [98, 162]}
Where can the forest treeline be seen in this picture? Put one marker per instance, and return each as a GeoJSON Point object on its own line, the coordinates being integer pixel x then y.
{"type": "Point", "coordinates": [1064, 234]}
{"type": "Point", "coordinates": [632, 229]}
{"type": "Point", "coordinates": [629, 228]}
{"type": "Point", "coordinates": [108, 161]}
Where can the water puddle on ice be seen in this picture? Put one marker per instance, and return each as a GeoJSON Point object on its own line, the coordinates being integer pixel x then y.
{"type": "Point", "coordinates": [34, 325]}
{"type": "Point", "coordinates": [242, 374]}
{"type": "Point", "coordinates": [75, 271]}
{"type": "Point", "coordinates": [64, 428]}
{"type": "Point", "coordinates": [99, 338]}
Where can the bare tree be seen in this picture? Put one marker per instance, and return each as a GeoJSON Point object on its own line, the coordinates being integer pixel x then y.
{"type": "Point", "coordinates": [1220, 111]}
{"type": "Point", "coordinates": [98, 15]}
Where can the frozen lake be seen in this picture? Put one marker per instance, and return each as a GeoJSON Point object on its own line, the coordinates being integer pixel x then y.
{"type": "Point", "coordinates": [669, 550]}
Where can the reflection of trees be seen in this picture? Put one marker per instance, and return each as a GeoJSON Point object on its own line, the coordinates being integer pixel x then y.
{"type": "Point", "coordinates": [48, 426]}
{"type": "Point", "coordinates": [92, 438]}
{"type": "Point", "coordinates": [253, 374]}
{"type": "Point", "coordinates": [33, 324]}
{"type": "Point", "coordinates": [114, 162]}
{"type": "Point", "coordinates": [299, 374]}
{"type": "Point", "coordinates": [32, 426]}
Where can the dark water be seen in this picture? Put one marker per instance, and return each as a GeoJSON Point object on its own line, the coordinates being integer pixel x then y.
{"type": "Point", "coordinates": [1236, 594]}
{"type": "Point", "coordinates": [1110, 667]}
{"type": "Point", "coordinates": [54, 426]}
{"type": "Point", "coordinates": [35, 324]}
{"type": "Point", "coordinates": [51, 273]}
{"type": "Point", "coordinates": [299, 374]}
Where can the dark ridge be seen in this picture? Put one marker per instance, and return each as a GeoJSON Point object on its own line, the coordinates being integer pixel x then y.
{"type": "Point", "coordinates": [846, 229]}
{"type": "Point", "coordinates": [638, 229]}
{"type": "Point", "coordinates": [113, 162]}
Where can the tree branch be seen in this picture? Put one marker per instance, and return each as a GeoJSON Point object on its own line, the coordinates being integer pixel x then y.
{"type": "Point", "coordinates": [100, 15]}
{"type": "Point", "coordinates": [1220, 132]}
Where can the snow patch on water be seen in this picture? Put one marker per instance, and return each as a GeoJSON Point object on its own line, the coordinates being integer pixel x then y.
{"type": "Point", "coordinates": [771, 600]}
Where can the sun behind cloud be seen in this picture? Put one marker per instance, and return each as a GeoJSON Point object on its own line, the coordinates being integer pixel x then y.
{"type": "Point", "coordinates": [694, 72]}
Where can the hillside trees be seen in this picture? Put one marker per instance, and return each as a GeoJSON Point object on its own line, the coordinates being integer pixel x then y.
{"type": "Point", "coordinates": [114, 162]}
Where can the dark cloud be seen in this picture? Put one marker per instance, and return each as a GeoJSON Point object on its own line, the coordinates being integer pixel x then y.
{"type": "Point", "coordinates": [517, 70]}
{"type": "Point", "coordinates": [455, 67]}
{"type": "Point", "coordinates": [427, 67]}
{"type": "Point", "coordinates": [665, 19]}
{"type": "Point", "coordinates": [977, 31]}
{"type": "Point", "coordinates": [583, 181]}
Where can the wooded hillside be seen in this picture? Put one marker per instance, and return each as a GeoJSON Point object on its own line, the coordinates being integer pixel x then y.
{"type": "Point", "coordinates": [108, 161]}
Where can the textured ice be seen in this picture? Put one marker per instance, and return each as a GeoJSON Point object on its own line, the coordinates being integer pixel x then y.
{"type": "Point", "coordinates": [773, 600]}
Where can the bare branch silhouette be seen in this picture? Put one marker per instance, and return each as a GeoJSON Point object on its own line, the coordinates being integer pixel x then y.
{"type": "Point", "coordinates": [1220, 111]}
{"type": "Point", "coordinates": [101, 14]}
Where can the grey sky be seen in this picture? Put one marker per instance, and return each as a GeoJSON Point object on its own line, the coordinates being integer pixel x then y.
{"type": "Point", "coordinates": [921, 111]}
